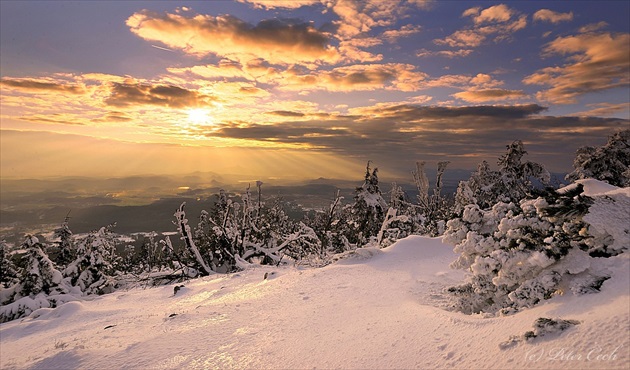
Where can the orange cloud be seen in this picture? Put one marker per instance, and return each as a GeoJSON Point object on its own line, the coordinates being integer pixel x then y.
{"type": "Point", "coordinates": [275, 40]}
{"type": "Point", "coordinates": [546, 15]}
{"type": "Point", "coordinates": [133, 94]}
{"type": "Point", "coordinates": [605, 109]}
{"type": "Point", "coordinates": [482, 96]}
{"type": "Point", "coordinates": [404, 31]}
{"type": "Point", "coordinates": [498, 21]}
{"type": "Point", "coordinates": [597, 62]}
{"type": "Point", "coordinates": [36, 85]}
{"type": "Point", "coordinates": [497, 13]}
{"type": "Point", "coordinates": [389, 76]}
{"type": "Point", "coordinates": [285, 4]}
{"type": "Point", "coordinates": [481, 80]}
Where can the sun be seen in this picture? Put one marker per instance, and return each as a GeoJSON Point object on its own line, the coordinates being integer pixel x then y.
{"type": "Point", "coordinates": [198, 116]}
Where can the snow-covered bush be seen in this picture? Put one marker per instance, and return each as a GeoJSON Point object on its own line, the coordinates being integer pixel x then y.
{"type": "Point", "coordinates": [610, 163]}
{"type": "Point", "coordinates": [520, 254]}
{"type": "Point", "coordinates": [237, 234]}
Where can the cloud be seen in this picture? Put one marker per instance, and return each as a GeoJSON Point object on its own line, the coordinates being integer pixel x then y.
{"type": "Point", "coordinates": [482, 96]}
{"type": "Point", "coordinates": [546, 15]}
{"type": "Point", "coordinates": [596, 62]}
{"type": "Point", "coordinates": [285, 113]}
{"type": "Point", "coordinates": [606, 109]}
{"type": "Point", "coordinates": [280, 41]}
{"type": "Point", "coordinates": [36, 85]}
{"type": "Point", "coordinates": [496, 13]}
{"type": "Point", "coordinates": [361, 77]}
{"type": "Point", "coordinates": [593, 27]}
{"type": "Point", "coordinates": [465, 135]}
{"type": "Point", "coordinates": [444, 53]}
{"type": "Point", "coordinates": [481, 80]}
{"type": "Point", "coordinates": [284, 4]}
{"type": "Point", "coordinates": [498, 22]}
{"type": "Point", "coordinates": [133, 94]}
{"type": "Point", "coordinates": [405, 31]}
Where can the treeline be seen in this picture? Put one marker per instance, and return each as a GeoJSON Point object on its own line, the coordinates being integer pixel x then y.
{"type": "Point", "coordinates": [511, 236]}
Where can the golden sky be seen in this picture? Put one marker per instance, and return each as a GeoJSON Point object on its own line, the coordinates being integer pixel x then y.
{"type": "Point", "coordinates": [305, 89]}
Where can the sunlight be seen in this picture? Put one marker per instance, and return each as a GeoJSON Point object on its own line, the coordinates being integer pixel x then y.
{"type": "Point", "coordinates": [199, 116]}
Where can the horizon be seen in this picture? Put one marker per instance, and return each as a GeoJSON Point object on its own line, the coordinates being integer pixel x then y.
{"type": "Point", "coordinates": [305, 89]}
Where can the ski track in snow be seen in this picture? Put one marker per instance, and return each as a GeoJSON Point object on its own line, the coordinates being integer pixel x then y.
{"type": "Point", "coordinates": [378, 309]}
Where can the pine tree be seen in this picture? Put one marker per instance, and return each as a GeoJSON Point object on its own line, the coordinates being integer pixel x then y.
{"type": "Point", "coordinates": [66, 248]}
{"type": "Point", "coordinates": [91, 271]}
{"type": "Point", "coordinates": [39, 274]}
{"type": "Point", "coordinates": [610, 163]}
{"type": "Point", "coordinates": [510, 183]}
{"type": "Point", "coordinates": [368, 210]}
{"type": "Point", "coordinates": [8, 270]}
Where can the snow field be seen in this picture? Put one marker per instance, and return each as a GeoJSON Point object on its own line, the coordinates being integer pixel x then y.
{"type": "Point", "coordinates": [378, 309]}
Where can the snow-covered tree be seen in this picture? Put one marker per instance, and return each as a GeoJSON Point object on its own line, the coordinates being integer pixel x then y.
{"type": "Point", "coordinates": [368, 211]}
{"type": "Point", "coordinates": [65, 244]}
{"type": "Point", "coordinates": [8, 270]}
{"type": "Point", "coordinates": [40, 284]}
{"type": "Point", "coordinates": [610, 163]}
{"type": "Point", "coordinates": [92, 270]}
{"type": "Point", "coordinates": [433, 209]}
{"type": "Point", "coordinates": [510, 183]}
{"type": "Point", "coordinates": [39, 274]}
{"type": "Point", "coordinates": [331, 226]}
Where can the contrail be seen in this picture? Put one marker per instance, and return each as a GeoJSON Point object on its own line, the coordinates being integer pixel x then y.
{"type": "Point", "coordinates": [161, 48]}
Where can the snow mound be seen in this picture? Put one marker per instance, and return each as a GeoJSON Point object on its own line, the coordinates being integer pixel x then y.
{"type": "Point", "coordinates": [381, 311]}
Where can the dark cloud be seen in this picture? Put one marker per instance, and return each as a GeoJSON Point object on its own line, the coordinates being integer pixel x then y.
{"type": "Point", "coordinates": [285, 113]}
{"type": "Point", "coordinates": [38, 85]}
{"type": "Point", "coordinates": [130, 94]}
{"type": "Point", "coordinates": [397, 136]}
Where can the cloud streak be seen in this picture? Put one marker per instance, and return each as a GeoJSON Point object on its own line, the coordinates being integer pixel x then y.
{"type": "Point", "coordinates": [595, 62]}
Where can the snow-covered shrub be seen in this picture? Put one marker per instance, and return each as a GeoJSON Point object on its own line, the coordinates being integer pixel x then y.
{"type": "Point", "coordinates": [519, 254]}
{"type": "Point", "coordinates": [432, 210]}
{"type": "Point", "coordinates": [237, 234]}
{"type": "Point", "coordinates": [543, 327]}
{"type": "Point", "coordinates": [610, 163]}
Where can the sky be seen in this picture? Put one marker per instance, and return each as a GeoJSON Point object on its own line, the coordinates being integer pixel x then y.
{"type": "Point", "coordinates": [305, 88]}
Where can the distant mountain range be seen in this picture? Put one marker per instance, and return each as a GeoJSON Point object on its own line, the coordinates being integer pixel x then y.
{"type": "Point", "coordinates": [147, 203]}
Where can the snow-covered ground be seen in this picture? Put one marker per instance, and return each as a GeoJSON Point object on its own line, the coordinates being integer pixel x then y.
{"type": "Point", "coordinates": [377, 309]}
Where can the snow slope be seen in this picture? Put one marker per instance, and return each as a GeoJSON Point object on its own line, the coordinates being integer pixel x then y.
{"type": "Point", "coordinates": [377, 309]}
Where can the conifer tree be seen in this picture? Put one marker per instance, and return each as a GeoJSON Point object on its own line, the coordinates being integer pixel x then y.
{"type": "Point", "coordinates": [610, 163]}
{"type": "Point", "coordinates": [91, 271]}
{"type": "Point", "coordinates": [65, 244]}
{"type": "Point", "coordinates": [368, 211]}
{"type": "Point", "coordinates": [39, 274]}
{"type": "Point", "coordinates": [8, 270]}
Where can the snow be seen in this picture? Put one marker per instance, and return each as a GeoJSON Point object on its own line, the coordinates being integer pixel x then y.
{"type": "Point", "coordinates": [375, 309]}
